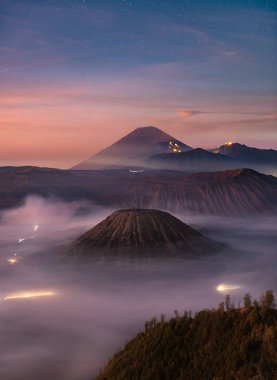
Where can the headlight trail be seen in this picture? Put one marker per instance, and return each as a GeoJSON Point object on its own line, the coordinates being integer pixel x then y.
{"type": "Point", "coordinates": [12, 261]}
{"type": "Point", "coordinates": [29, 294]}
{"type": "Point", "coordinates": [226, 287]}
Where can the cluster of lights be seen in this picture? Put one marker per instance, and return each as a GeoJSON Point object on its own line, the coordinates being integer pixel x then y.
{"type": "Point", "coordinates": [13, 261]}
{"type": "Point", "coordinates": [35, 228]}
{"type": "Point", "coordinates": [228, 143]}
{"type": "Point", "coordinates": [174, 147]}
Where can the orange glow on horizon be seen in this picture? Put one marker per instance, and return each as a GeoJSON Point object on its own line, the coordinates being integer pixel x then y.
{"type": "Point", "coordinates": [59, 125]}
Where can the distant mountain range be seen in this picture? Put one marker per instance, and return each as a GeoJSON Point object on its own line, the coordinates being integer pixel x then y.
{"type": "Point", "coordinates": [142, 233]}
{"type": "Point", "coordinates": [149, 147]}
{"type": "Point", "coordinates": [233, 192]}
{"type": "Point", "coordinates": [246, 154]}
{"type": "Point", "coordinates": [140, 171]}
{"type": "Point", "coordinates": [192, 160]}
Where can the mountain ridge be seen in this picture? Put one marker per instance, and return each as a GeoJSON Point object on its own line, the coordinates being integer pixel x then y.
{"type": "Point", "coordinates": [239, 192]}
{"type": "Point", "coordinates": [245, 153]}
{"type": "Point", "coordinates": [191, 160]}
{"type": "Point", "coordinates": [146, 147]}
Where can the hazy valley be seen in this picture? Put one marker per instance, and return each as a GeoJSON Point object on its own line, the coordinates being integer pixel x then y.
{"type": "Point", "coordinates": [78, 277]}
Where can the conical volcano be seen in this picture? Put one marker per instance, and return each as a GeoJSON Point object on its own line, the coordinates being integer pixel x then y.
{"type": "Point", "coordinates": [133, 149]}
{"type": "Point", "coordinates": [143, 232]}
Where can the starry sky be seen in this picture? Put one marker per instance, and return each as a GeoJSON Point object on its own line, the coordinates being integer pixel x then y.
{"type": "Point", "coordinates": [76, 75]}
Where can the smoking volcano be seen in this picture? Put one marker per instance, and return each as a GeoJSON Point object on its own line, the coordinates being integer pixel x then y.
{"type": "Point", "coordinates": [140, 232]}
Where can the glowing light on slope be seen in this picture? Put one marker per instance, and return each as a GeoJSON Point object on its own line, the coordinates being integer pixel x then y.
{"type": "Point", "coordinates": [30, 294]}
{"type": "Point", "coordinates": [174, 147]}
{"type": "Point", "coordinates": [21, 240]}
{"type": "Point", "coordinates": [228, 143]}
{"type": "Point", "coordinates": [227, 287]}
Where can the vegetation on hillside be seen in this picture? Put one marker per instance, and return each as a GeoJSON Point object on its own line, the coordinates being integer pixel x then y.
{"type": "Point", "coordinates": [227, 343]}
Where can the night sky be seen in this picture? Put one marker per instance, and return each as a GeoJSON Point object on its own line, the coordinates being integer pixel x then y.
{"type": "Point", "coordinates": [77, 75]}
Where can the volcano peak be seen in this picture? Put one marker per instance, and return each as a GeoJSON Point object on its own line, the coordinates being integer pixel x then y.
{"type": "Point", "coordinates": [142, 232]}
{"type": "Point", "coordinates": [132, 149]}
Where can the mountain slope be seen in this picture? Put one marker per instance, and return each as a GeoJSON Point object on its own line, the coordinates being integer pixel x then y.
{"type": "Point", "coordinates": [192, 160]}
{"type": "Point", "coordinates": [236, 344]}
{"type": "Point", "coordinates": [142, 232]}
{"type": "Point", "coordinates": [132, 149]}
{"type": "Point", "coordinates": [247, 154]}
{"type": "Point", "coordinates": [232, 192]}
{"type": "Point", "coordinates": [239, 192]}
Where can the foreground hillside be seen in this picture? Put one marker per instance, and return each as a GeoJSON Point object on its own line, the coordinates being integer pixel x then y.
{"type": "Point", "coordinates": [223, 344]}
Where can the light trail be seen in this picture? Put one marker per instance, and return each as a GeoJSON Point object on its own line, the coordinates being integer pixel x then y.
{"type": "Point", "coordinates": [227, 287]}
{"type": "Point", "coordinates": [12, 261]}
{"type": "Point", "coordinates": [30, 294]}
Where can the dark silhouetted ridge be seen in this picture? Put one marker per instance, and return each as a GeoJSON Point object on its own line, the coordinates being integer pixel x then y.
{"type": "Point", "coordinates": [191, 160]}
{"type": "Point", "coordinates": [247, 154]}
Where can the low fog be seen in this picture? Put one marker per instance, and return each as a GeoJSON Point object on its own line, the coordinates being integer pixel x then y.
{"type": "Point", "coordinates": [87, 313]}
